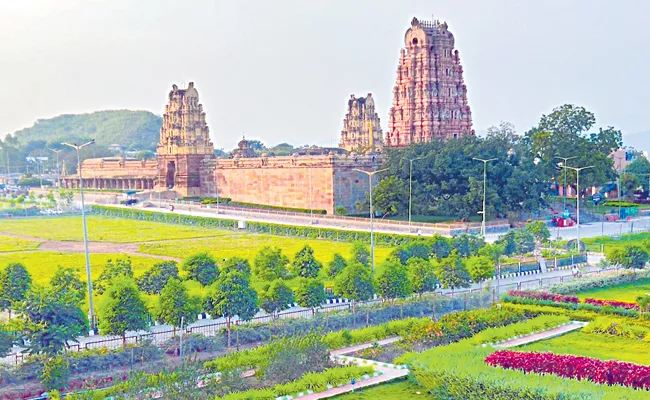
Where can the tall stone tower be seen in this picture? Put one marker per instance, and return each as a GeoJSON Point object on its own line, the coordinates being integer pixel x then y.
{"type": "Point", "coordinates": [185, 147]}
{"type": "Point", "coordinates": [358, 123]}
{"type": "Point", "coordinates": [429, 97]}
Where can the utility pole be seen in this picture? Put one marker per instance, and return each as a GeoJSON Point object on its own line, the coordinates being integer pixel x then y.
{"type": "Point", "coordinates": [577, 170]}
{"type": "Point", "coordinates": [566, 184]}
{"type": "Point", "coordinates": [372, 235]}
{"type": "Point", "coordinates": [484, 189]}
{"type": "Point", "coordinates": [411, 186]}
{"type": "Point", "coordinates": [85, 228]}
{"type": "Point", "coordinates": [311, 198]}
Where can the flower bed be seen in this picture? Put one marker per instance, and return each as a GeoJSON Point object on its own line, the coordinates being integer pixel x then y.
{"type": "Point", "coordinates": [613, 303]}
{"type": "Point", "coordinates": [575, 367]}
{"type": "Point", "coordinates": [533, 295]}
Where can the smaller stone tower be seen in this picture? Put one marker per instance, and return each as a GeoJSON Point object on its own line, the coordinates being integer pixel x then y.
{"type": "Point", "coordinates": [185, 146]}
{"type": "Point", "coordinates": [361, 129]}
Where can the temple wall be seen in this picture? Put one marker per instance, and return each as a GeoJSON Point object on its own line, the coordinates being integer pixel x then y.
{"type": "Point", "coordinates": [286, 181]}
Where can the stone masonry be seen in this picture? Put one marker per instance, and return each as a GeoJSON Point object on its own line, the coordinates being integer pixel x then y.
{"type": "Point", "coordinates": [318, 182]}
{"type": "Point", "coordinates": [429, 97]}
{"type": "Point", "coordinates": [361, 128]}
{"type": "Point", "coordinates": [185, 144]}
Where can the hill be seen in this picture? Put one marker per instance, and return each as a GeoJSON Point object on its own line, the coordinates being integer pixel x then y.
{"type": "Point", "coordinates": [133, 130]}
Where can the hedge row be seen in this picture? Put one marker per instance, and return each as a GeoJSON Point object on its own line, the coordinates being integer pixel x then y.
{"type": "Point", "coordinates": [254, 227]}
{"type": "Point", "coordinates": [607, 309]}
{"type": "Point", "coordinates": [600, 281]}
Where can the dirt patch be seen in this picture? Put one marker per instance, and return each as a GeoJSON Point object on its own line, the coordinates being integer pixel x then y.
{"type": "Point", "coordinates": [60, 246]}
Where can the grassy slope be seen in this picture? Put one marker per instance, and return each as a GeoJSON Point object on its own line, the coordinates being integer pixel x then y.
{"type": "Point", "coordinates": [626, 292]}
{"type": "Point", "coordinates": [603, 347]}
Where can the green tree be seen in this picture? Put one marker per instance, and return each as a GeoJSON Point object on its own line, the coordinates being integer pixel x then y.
{"type": "Point", "coordinates": [493, 251]}
{"type": "Point", "coordinates": [391, 198]}
{"type": "Point", "coordinates": [15, 281]}
{"type": "Point", "coordinates": [467, 245]}
{"type": "Point", "coordinates": [277, 297]}
{"type": "Point", "coordinates": [232, 296]}
{"type": "Point", "coordinates": [629, 184]}
{"type": "Point", "coordinates": [155, 279]}
{"type": "Point", "coordinates": [201, 267]}
{"type": "Point", "coordinates": [310, 293]}
{"type": "Point", "coordinates": [524, 241]}
{"type": "Point", "coordinates": [336, 265]}
{"type": "Point", "coordinates": [640, 168]}
{"type": "Point", "coordinates": [6, 340]}
{"type": "Point", "coordinates": [354, 283]}
{"type": "Point", "coordinates": [507, 242]}
{"type": "Point", "coordinates": [176, 306]}
{"type": "Point", "coordinates": [440, 246]}
{"type": "Point", "coordinates": [270, 264]}
{"type": "Point", "coordinates": [451, 272]}
{"type": "Point", "coordinates": [124, 309]}
{"type": "Point", "coordinates": [393, 282]}
{"type": "Point", "coordinates": [113, 269]}
{"type": "Point", "coordinates": [421, 275]}
{"type": "Point", "coordinates": [480, 268]}
{"type": "Point", "coordinates": [360, 253]}
{"type": "Point", "coordinates": [236, 264]}
{"type": "Point", "coordinates": [539, 230]}
{"type": "Point", "coordinates": [305, 264]}
{"type": "Point", "coordinates": [631, 257]}
{"type": "Point", "coordinates": [66, 279]}
{"type": "Point", "coordinates": [52, 319]}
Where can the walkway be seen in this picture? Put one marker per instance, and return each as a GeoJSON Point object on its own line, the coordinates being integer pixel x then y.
{"type": "Point", "coordinates": [560, 330]}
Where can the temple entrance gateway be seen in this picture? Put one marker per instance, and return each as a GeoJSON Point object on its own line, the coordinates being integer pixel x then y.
{"type": "Point", "coordinates": [169, 177]}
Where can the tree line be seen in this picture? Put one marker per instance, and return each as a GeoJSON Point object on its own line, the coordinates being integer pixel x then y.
{"type": "Point", "coordinates": [446, 180]}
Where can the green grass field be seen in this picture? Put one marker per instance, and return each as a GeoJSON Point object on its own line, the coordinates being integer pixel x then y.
{"type": "Point", "coordinates": [609, 242]}
{"type": "Point", "coordinates": [101, 229]}
{"type": "Point", "coordinates": [14, 244]}
{"type": "Point", "coordinates": [626, 292]}
{"type": "Point", "coordinates": [603, 347]}
{"type": "Point", "coordinates": [402, 390]}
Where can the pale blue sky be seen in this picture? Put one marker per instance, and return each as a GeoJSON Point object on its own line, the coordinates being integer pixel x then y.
{"type": "Point", "coordinates": [283, 70]}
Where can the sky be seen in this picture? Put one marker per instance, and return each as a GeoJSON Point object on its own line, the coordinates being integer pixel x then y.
{"type": "Point", "coordinates": [283, 70]}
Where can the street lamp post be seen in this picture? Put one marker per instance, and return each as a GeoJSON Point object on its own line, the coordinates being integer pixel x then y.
{"type": "Point", "coordinates": [311, 198]}
{"type": "Point", "coordinates": [58, 175]}
{"type": "Point", "coordinates": [411, 186]}
{"type": "Point", "coordinates": [85, 228]}
{"type": "Point", "coordinates": [372, 231]}
{"type": "Point", "coordinates": [484, 189]}
{"type": "Point", "coordinates": [564, 161]}
{"type": "Point", "coordinates": [577, 170]}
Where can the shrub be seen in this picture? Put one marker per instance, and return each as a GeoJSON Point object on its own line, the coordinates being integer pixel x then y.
{"type": "Point", "coordinates": [55, 373]}
{"type": "Point", "coordinates": [612, 303]}
{"type": "Point", "coordinates": [575, 367]}
{"type": "Point", "coordinates": [600, 281]}
{"type": "Point", "coordinates": [529, 294]}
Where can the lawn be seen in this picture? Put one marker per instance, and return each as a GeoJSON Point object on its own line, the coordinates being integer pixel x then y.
{"type": "Point", "coordinates": [226, 244]}
{"type": "Point", "coordinates": [101, 229]}
{"type": "Point", "coordinates": [626, 292]}
{"type": "Point", "coordinates": [8, 243]}
{"type": "Point", "coordinates": [603, 347]}
{"type": "Point", "coordinates": [402, 390]}
{"type": "Point", "coordinates": [610, 242]}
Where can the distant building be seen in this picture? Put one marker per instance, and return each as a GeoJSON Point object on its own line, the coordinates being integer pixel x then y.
{"type": "Point", "coordinates": [361, 128]}
{"type": "Point", "coordinates": [115, 148]}
{"type": "Point", "coordinates": [622, 159]}
{"type": "Point", "coordinates": [430, 96]}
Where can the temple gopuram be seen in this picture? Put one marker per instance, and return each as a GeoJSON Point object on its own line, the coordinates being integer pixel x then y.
{"type": "Point", "coordinates": [429, 97]}
{"type": "Point", "coordinates": [361, 128]}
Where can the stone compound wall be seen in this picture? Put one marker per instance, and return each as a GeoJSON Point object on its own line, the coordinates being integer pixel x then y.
{"type": "Point", "coordinates": [318, 182]}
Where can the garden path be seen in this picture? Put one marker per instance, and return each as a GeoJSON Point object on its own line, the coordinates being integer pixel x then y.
{"type": "Point", "coordinates": [353, 349]}
{"type": "Point", "coordinates": [560, 330]}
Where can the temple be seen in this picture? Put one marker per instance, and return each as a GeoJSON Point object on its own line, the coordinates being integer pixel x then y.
{"type": "Point", "coordinates": [312, 178]}
{"type": "Point", "coordinates": [429, 97]}
{"type": "Point", "coordinates": [185, 144]}
{"type": "Point", "coordinates": [361, 129]}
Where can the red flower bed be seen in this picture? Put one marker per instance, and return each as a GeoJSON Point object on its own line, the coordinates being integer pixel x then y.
{"type": "Point", "coordinates": [613, 303]}
{"type": "Point", "coordinates": [529, 294]}
{"type": "Point", "coordinates": [576, 367]}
